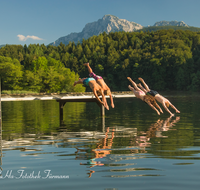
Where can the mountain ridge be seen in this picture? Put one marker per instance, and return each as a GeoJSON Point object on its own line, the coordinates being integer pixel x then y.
{"type": "Point", "coordinates": [110, 23]}
{"type": "Point", "coordinates": [170, 23]}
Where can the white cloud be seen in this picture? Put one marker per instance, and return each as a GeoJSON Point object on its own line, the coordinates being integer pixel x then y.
{"type": "Point", "coordinates": [24, 38]}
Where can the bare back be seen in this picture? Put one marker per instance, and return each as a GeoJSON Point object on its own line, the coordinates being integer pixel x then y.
{"type": "Point", "coordinates": [102, 83]}
{"type": "Point", "coordinates": [161, 99]}
{"type": "Point", "coordinates": [94, 85]}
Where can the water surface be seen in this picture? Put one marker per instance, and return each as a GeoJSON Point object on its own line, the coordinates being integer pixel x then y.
{"type": "Point", "coordinates": [134, 149]}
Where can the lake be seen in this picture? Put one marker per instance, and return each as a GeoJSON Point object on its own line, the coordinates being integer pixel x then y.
{"type": "Point", "coordinates": [131, 148]}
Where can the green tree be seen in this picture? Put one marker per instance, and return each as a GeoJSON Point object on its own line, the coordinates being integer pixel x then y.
{"type": "Point", "coordinates": [11, 73]}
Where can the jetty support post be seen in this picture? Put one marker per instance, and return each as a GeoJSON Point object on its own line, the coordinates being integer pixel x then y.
{"type": "Point", "coordinates": [64, 101]}
{"type": "Point", "coordinates": [61, 106]}
{"type": "Point", "coordinates": [102, 108]}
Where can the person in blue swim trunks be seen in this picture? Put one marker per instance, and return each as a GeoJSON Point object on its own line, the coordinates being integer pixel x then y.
{"type": "Point", "coordinates": [164, 101]}
{"type": "Point", "coordinates": [101, 82]}
{"type": "Point", "coordinates": [96, 88]}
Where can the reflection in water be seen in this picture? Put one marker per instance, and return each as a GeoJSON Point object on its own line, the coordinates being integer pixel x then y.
{"type": "Point", "coordinates": [138, 144]}
{"type": "Point", "coordinates": [102, 150]}
{"type": "Point", "coordinates": [155, 130]}
{"type": "Point", "coordinates": [117, 144]}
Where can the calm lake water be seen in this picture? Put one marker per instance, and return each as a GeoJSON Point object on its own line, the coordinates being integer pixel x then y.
{"type": "Point", "coordinates": [133, 148]}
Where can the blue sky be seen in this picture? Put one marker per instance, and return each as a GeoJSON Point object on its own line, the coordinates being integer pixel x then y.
{"type": "Point", "coordinates": [44, 21]}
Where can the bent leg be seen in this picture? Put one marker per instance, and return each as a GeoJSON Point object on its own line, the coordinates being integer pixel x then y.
{"type": "Point", "coordinates": [153, 107]}
{"type": "Point", "coordinates": [145, 85]}
{"type": "Point", "coordinates": [142, 88]}
{"type": "Point", "coordinates": [89, 68]}
{"type": "Point", "coordinates": [134, 84]}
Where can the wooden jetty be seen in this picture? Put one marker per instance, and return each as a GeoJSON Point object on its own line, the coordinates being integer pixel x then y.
{"type": "Point", "coordinates": [62, 99]}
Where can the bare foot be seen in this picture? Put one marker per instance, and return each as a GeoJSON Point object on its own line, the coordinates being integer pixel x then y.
{"type": "Point", "coordinates": [140, 79]}
{"type": "Point", "coordinates": [128, 78]}
{"type": "Point", "coordinates": [86, 64]}
{"type": "Point", "coordinates": [112, 105]}
{"type": "Point", "coordinates": [130, 87]}
{"type": "Point", "coordinates": [177, 111]}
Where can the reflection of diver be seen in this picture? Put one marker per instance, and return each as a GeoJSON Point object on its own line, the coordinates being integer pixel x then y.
{"type": "Point", "coordinates": [100, 151]}
{"type": "Point", "coordinates": [163, 125]}
{"type": "Point", "coordinates": [155, 130]}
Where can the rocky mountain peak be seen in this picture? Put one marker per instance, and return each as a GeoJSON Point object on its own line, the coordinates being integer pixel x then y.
{"type": "Point", "coordinates": [170, 23]}
{"type": "Point", "coordinates": [108, 23]}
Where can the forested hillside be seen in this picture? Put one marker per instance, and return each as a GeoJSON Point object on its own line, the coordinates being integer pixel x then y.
{"type": "Point", "coordinates": [166, 59]}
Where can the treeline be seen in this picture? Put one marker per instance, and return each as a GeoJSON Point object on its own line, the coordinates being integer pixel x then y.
{"type": "Point", "coordinates": [156, 28]}
{"type": "Point", "coordinates": [166, 59]}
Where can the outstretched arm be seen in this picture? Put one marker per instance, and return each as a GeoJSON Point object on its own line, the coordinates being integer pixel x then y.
{"type": "Point", "coordinates": [97, 97]}
{"type": "Point", "coordinates": [104, 102]}
{"type": "Point", "coordinates": [80, 81]}
{"type": "Point", "coordinates": [153, 107]}
{"type": "Point", "coordinates": [163, 103]}
{"type": "Point", "coordinates": [158, 107]}
{"type": "Point", "coordinates": [111, 100]}
{"type": "Point", "coordinates": [177, 111]}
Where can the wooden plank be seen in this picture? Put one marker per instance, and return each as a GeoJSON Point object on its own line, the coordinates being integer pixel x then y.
{"type": "Point", "coordinates": [74, 98]}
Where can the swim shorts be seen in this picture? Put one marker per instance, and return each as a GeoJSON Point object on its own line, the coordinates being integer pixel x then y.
{"type": "Point", "coordinates": [87, 80]}
{"type": "Point", "coordinates": [152, 92]}
{"type": "Point", "coordinates": [96, 77]}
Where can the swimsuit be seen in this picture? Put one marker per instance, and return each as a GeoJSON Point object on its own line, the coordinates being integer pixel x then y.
{"type": "Point", "coordinates": [87, 80]}
{"type": "Point", "coordinates": [141, 93]}
{"type": "Point", "coordinates": [95, 76]}
{"type": "Point", "coordinates": [152, 92]}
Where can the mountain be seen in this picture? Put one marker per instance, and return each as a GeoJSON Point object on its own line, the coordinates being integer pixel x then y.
{"type": "Point", "coordinates": [170, 23]}
{"type": "Point", "coordinates": [1, 46]}
{"type": "Point", "coordinates": [108, 23]}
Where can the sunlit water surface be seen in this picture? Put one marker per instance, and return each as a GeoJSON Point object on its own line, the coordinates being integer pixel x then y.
{"type": "Point", "coordinates": [133, 148]}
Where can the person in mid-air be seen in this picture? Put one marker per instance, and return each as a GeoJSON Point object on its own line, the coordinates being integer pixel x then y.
{"type": "Point", "coordinates": [101, 82]}
{"type": "Point", "coordinates": [164, 101]}
{"type": "Point", "coordinates": [96, 88]}
{"type": "Point", "coordinates": [150, 100]}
